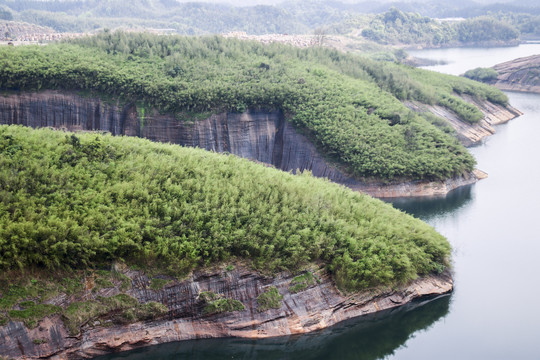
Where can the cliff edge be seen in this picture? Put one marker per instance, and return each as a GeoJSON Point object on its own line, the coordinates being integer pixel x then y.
{"type": "Point", "coordinates": [262, 136]}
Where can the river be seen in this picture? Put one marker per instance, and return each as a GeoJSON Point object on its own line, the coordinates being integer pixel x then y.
{"type": "Point", "coordinates": [494, 228]}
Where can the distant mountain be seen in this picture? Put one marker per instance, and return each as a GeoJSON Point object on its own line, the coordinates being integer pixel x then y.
{"type": "Point", "coordinates": [191, 18]}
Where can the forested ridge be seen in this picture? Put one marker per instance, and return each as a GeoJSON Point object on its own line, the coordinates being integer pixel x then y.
{"type": "Point", "coordinates": [71, 201]}
{"type": "Point", "coordinates": [350, 106]}
{"type": "Point", "coordinates": [396, 27]}
{"type": "Point", "coordinates": [294, 16]}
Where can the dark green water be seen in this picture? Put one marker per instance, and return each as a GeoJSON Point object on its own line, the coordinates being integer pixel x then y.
{"type": "Point", "coordinates": [494, 228]}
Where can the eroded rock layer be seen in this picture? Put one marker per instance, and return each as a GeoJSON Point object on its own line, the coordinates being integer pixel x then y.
{"type": "Point", "coordinates": [471, 134]}
{"type": "Point", "coordinates": [318, 306]}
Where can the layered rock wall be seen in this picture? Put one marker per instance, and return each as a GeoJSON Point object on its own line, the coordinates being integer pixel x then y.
{"type": "Point", "coordinates": [471, 134]}
{"type": "Point", "coordinates": [262, 136]}
{"type": "Point", "coordinates": [319, 306]}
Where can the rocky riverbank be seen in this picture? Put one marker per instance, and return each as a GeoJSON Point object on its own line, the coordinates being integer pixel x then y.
{"type": "Point", "coordinates": [314, 305]}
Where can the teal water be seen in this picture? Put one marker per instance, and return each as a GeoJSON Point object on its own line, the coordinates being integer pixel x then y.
{"type": "Point", "coordinates": [494, 228]}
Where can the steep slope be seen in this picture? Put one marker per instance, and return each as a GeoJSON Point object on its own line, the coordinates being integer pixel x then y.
{"type": "Point", "coordinates": [316, 307]}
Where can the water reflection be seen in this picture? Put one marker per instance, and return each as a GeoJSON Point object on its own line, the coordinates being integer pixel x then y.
{"type": "Point", "coordinates": [366, 338]}
{"type": "Point", "coordinates": [434, 207]}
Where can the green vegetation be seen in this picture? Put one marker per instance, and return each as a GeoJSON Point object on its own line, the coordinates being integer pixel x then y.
{"type": "Point", "coordinates": [150, 310]}
{"type": "Point", "coordinates": [223, 305]}
{"type": "Point", "coordinates": [482, 74]}
{"type": "Point", "coordinates": [348, 105]}
{"type": "Point", "coordinates": [5, 14]}
{"type": "Point", "coordinates": [216, 304]}
{"type": "Point", "coordinates": [103, 284]}
{"type": "Point", "coordinates": [398, 27]}
{"type": "Point", "coordinates": [23, 297]}
{"type": "Point", "coordinates": [74, 201]}
{"type": "Point", "coordinates": [484, 29]}
{"type": "Point", "coordinates": [28, 290]}
{"type": "Point", "coordinates": [125, 309]}
{"type": "Point", "coordinates": [185, 18]}
{"type": "Point", "coordinates": [208, 296]}
{"type": "Point", "coordinates": [158, 284]}
{"type": "Point", "coordinates": [270, 299]}
{"type": "Point", "coordinates": [125, 281]}
{"type": "Point", "coordinates": [527, 24]}
{"type": "Point", "coordinates": [301, 282]}
{"type": "Point", "coordinates": [289, 17]}
{"type": "Point", "coordinates": [31, 314]}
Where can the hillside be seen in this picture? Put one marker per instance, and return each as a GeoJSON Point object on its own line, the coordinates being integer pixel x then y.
{"type": "Point", "coordinates": [396, 27]}
{"type": "Point", "coordinates": [195, 18]}
{"type": "Point", "coordinates": [121, 239]}
{"type": "Point", "coordinates": [350, 107]}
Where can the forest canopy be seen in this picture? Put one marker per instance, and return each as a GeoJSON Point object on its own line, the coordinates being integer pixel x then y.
{"type": "Point", "coordinates": [398, 27]}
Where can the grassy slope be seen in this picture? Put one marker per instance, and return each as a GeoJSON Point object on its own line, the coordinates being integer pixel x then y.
{"type": "Point", "coordinates": [349, 105]}
{"type": "Point", "coordinates": [73, 201]}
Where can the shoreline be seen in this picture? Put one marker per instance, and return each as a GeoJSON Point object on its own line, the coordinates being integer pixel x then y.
{"type": "Point", "coordinates": [317, 307]}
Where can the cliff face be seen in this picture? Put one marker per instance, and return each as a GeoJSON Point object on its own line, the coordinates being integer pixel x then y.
{"type": "Point", "coordinates": [319, 306]}
{"type": "Point", "coordinates": [263, 136]}
{"type": "Point", "coordinates": [522, 74]}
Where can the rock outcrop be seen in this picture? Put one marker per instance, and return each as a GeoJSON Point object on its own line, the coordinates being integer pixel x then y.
{"type": "Point", "coordinates": [521, 74]}
{"type": "Point", "coordinates": [471, 134]}
{"type": "Point", "coordinates": [263, 136]}
{"type": "Point", "coordinates": [318, 306]}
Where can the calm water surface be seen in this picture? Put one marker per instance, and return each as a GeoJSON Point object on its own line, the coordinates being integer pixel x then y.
{"type": "Point", "coordinates": [494, 228]}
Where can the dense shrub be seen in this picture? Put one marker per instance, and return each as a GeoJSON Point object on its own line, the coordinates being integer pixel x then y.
{"type": "Point", "coordinates": [63, 205]}
{"type": "Point", "coordinates": [482, 74]}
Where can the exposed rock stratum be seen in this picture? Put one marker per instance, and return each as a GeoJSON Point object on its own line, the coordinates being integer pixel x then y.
{"type": "Point", "coordinates": [318, 306]}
